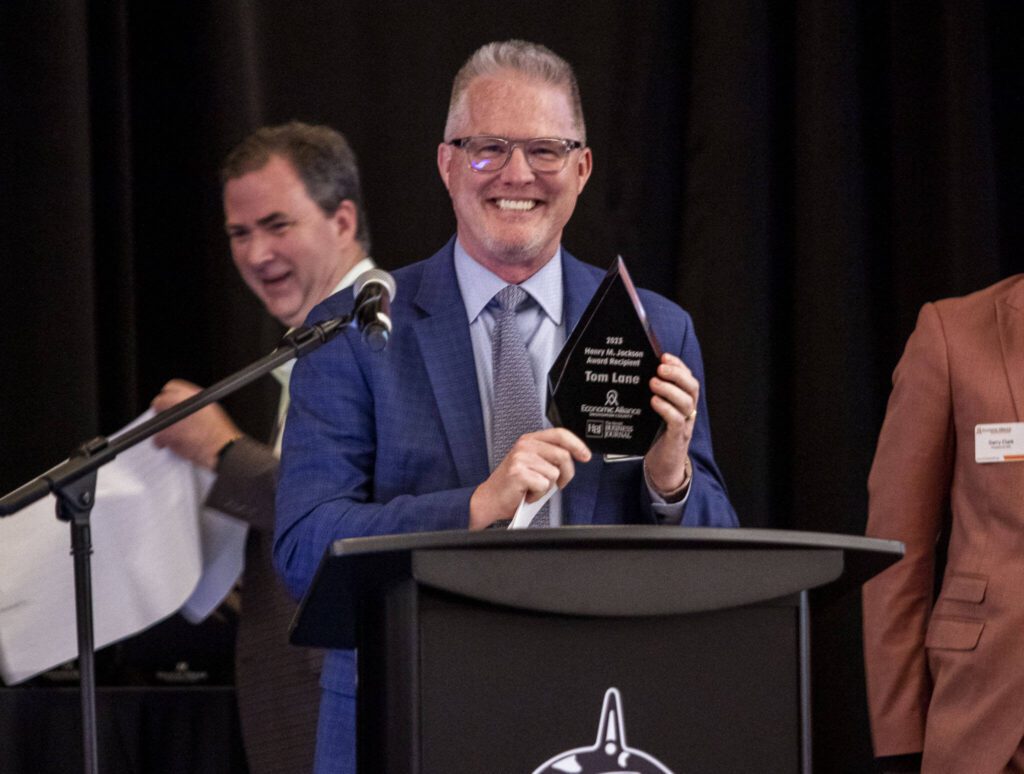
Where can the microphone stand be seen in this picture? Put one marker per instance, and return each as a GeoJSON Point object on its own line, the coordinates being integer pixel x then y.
{"type": "Point", "coordinates": [73, 482]}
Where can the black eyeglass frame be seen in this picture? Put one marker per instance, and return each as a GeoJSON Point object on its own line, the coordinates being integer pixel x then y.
{"type": "Point", "coordinates": [569, 145]}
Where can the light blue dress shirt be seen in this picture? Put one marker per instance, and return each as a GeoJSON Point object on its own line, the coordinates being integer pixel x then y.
{"type": "Point", "coordinates": [541, 323]}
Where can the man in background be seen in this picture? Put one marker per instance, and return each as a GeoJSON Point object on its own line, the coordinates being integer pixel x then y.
{"type": "Point", "coordinates": [444, 430]}
{"type": "Point", "coordinates": [945, 676]}
{"type": "Point", "coordinates": [294, 218]}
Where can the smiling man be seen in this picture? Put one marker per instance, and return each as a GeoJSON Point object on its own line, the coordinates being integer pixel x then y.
{"type": "Point", "coordinates": [444, 430]}
{"type": "Point", "coordinates": [293, 215]}
{"type": "Point", "coordinates": [284, 244]}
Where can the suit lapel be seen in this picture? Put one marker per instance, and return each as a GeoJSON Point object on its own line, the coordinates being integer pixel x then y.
{"type": "Point", "coordinates": [443, 336]}
{"type": "Point", "coordinates": [578, 286]}
{"type": "Point", "coordinates": [580, 497]}
{"type": "Point", "coordinates": [1010, 317]}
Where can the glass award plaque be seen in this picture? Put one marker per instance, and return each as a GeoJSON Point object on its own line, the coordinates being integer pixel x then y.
{"type": "Point", "coordinates": [598, 386]}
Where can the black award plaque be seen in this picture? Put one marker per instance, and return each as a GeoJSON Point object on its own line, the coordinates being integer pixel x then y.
{"type": "Point", "coordinates": [598, 386]}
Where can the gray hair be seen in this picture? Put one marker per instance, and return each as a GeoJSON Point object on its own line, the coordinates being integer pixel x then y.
{"type": "Point", "coordinates": [530, 59]}
{"type": "Point", "coordinates": [322, 158]}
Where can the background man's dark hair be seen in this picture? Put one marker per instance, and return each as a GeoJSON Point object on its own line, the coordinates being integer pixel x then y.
{"type": "Point", "coordinates": [321, 157]}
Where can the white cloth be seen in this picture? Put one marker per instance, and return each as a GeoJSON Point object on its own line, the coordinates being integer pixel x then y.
{"type": "Point", "coordinates": [148, 556]}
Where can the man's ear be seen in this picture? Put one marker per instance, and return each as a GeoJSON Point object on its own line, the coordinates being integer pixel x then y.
{"type": "Point", "coordinates": [584, 166]}
{"type": "Point", "coordinates": [444, 162]}
{"type": "Point", "coordinates": [346, 220]}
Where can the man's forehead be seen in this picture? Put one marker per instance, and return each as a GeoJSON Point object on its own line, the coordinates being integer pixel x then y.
{"type": "Point", "coordinates": [273, 189]}
{"type": "Point", "coordinates": [509, 96]}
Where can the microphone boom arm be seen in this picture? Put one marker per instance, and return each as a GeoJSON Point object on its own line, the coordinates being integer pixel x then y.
{"type": "Point", "coordinates": [74, 483]}
{"type": "Point", "coordinates": [100, 450]}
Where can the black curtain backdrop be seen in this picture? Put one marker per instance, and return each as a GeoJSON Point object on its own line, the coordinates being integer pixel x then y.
{"type": "Point", "coordinates": [801, 176]}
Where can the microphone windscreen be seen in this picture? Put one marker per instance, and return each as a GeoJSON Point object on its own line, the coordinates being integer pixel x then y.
{"type": "Point", "coordinates": [378, 276]}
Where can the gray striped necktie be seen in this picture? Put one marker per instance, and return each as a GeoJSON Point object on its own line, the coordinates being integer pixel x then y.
{"type": "Point", "coordinates": [516, 409]}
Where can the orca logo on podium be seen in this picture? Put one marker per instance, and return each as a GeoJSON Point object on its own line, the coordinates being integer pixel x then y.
{"type": "Point", "coordinates": [609, 755]}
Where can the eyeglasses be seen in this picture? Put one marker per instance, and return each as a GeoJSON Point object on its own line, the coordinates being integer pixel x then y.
{"type": "Point", "coordinates": [490, 154]}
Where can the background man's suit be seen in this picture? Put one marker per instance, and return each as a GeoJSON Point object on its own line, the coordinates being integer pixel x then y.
{"type": "Point", "coordinates": [950, 680]}
{"type": "Point", "coordinates": [406, 439]}
{"type": "Point", "coordinates": [277, 685]}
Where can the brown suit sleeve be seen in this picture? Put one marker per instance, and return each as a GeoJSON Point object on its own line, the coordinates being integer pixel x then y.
{"type": "Point", "coordinates": [908, 492]}
{"type": "Point", "coordinates": [246, 484]}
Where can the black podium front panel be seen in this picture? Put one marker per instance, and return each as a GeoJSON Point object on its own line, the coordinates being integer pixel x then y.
{"type": "Point", "coordinates": [582, 649]}
{"type": "Point", "coordinates": [713, 691]}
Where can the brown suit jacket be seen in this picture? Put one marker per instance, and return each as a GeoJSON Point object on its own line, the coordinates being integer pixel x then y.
{"type": "Point", "coordinates": [277, 683]}
{"type": "Point", "coordinates": [948, 679]}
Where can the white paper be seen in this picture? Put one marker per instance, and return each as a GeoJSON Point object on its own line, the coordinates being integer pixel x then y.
{"type": "Point", "coordinates": [526, 511]}
{"type": "Point", "coordinates": [223, 540]}
{"type": "Point", "coordinates": [147, 560]}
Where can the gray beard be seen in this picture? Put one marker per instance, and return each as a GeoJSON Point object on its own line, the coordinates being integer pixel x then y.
{"type": "Point", "coordinates": [517, 253]}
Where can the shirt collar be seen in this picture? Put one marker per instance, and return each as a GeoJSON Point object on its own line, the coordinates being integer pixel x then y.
{"type": "Point", "coordinates": [479, 285]}
{"type": "Point", "coordinates": [353, 274]}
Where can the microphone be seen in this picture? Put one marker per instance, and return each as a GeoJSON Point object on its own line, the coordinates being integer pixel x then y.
{"type": "Point", "coordinates": [374, 290]}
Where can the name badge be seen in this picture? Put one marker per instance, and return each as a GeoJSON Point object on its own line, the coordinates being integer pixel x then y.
{"type": "Point", "coordinates": [1002, 442]}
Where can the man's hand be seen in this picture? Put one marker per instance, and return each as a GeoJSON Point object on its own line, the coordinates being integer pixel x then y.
{"type": "Point", "coordinates": [533, 464]}
{"type": "Point", "coordinates": [199, 437]}
{"type": "Point", "coordinates": [675, 397]}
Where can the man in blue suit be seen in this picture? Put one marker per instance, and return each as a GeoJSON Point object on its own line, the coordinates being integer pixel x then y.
{"type": "Point", "coordinates": [401, 440]}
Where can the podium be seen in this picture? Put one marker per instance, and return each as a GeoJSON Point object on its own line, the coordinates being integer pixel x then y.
{"type": "Point", "coordinates": [583, 649]}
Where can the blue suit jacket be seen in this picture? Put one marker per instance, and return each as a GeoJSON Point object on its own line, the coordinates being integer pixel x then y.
{"type": "Point", "coordinates": [385, 442]}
